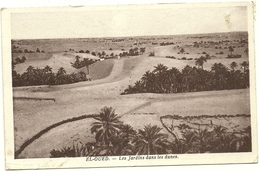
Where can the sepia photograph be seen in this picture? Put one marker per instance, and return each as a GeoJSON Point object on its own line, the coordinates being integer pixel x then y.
{"type": "Point", "coordinates": [129, 85]}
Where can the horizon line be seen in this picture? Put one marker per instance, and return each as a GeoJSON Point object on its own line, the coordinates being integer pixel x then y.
{"type": "Point", "coordinates": [129, 36]}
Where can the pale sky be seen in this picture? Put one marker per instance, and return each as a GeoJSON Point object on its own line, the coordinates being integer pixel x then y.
{"type": "Point", "coordinates": [127, 22]}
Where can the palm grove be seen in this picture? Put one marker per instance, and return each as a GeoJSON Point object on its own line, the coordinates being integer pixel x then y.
{"type": "Point", "coordinates": [191, 79]}
{"type": "Point", "coordinates": [114, 138]}
{"type": "Point", "coordinates": [45, 76]}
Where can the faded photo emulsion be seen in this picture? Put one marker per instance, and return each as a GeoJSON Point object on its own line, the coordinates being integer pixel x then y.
{"type": "Point", "coordinates": [129, 85]}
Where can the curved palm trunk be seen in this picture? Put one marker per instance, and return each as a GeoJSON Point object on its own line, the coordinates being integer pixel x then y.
{"type": "Point", "coordinates": [108, 135]}
{"type": "Point", "coordinates": [174, 135]}
{"type": "Point", "coordinates": [87, 68]}
{"type": "Point", "coordinates": [148, 149]}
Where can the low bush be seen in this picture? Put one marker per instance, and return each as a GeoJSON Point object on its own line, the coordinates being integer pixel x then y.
{"type": "Point", "coordinates": [234, 56]}
{"type": "Point", "coordinates": [19, 60]}
{"type": "Point", "coordinates": [151, 54]}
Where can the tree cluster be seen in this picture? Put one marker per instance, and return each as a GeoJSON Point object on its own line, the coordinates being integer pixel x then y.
{"type": "Point", "coordinates": [133, 52]}
{"type": "Point", "coordinates": [39, 51]}
{"type": "Point", "coordinates": [19, 60]}
{"type": "Point", "coordinates": [114, 138]}
{"type": "Point", "coordinates": [166, 43]}
{"type": "Point", "coordinates": [191, 79]}
{"type": "Point", "coordinates": [82, 63]}
{"type": "Point", "coordinates": [103, 55]}
{"type": "Point", "coordinates": [36, 76]}
{"type": "Point", "coordinates": [118, 40]}
{"type": "Point", "coordinates": [16, 50]}
{"type": "Point", "coordinates": [172, 57]}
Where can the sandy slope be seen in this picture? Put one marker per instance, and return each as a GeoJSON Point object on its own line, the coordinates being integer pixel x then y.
{"type": "Point", "coordinates": [136, 110]}
{"type": "Point", "coordinates": [55, 61]}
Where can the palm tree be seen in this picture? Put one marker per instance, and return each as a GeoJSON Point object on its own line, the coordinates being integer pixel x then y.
{"type": "Point", "coordinates": [61, 71]}
{"type": "Point", "coordinates": [30, 69]}
{"type": "Point", "coordinates": [120, 145]}
{"type": "Point", "coordinates": [76, 64]}
{"type": "Point", "coordinates": [233, 65]}
{"type": "Point", "coordinates": [128, 131]}
{"type": "Point", "coordinates": [220, 73]}
{"type": "Point", "coordinates": [185, 145]}
{"type": "Point", "coordinates": [73, 78]}
{"type": "Point", "coordinates": [247, 140]}
{"type": "Point", "coordinates": [245, 66]}
{"type": "Point", "coordinates": [160, 68]}
{"type": "Point", "coordinates": [160, 71]}
{"type": "Point", "coordinates": [220, 130]}
{"type": "Point", "coordinates": [30, 77]}
{"type": "Point", "coordinates": [77, 58]}
{"type": "Point", "coordinates": [188, 77]}
{"type": "Point", "coordinates": [204, 138]}
{"type": "Point", "coordinates": [200, 61]}
{"type": "Point", "coordinates": [182, 50]}
{"type": "Point", "coordinates": [47, 74]}
{"type": "Point", "coordinates": [47, 69]}
{"type": "Point", "coordinates": [170, 82]}
{"type": "Point", "coordinates": [230, 49]}
{"type": "Point", "coordinates": [103, 54]}
{"type": "Point", "coordinates": [174, 79]}
{"type": "Point", "coordinates": [142, 50]}
{"type": "Point", "coordinates": [150, 141]}
{"type": "Point", "coordinates": [246, 51]}
{"type": "Point", "coordinates": [107, 125]}
{"type": "Point", "coordinates": [23, 58]}
{"type": "Point", "coordinates": [139, 86]}
{"type": "Point", "coordinates": [88, 62]}
{"type": "Point", "coordinates": [83, 76]}
{"type": "Point", "coordinates": [122, 142]}
{"type": "Point", "coordinates": [39, 76]}
{"type": "Point", "coordinates": [150, 82]}
{"type": "Point", "coordinates": [60, 76]}
{"type": "Point", "coordinates": [226, 143]}
{"type": "Point", "coordinates": [99, 54]}
{"type": "Point", "coordinates": [202, 79]}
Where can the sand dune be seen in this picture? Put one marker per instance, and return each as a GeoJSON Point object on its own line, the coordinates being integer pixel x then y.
{"type": "Point", "coordinates": [56, 61]}
{"type": "Point", "coordinates": [89, 97]}
{"type": "Point", "coordinates": [133, 110]}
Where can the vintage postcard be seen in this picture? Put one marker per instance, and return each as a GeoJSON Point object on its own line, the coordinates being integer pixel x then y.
{"type": "Point", "coordinates": [129, 85]}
